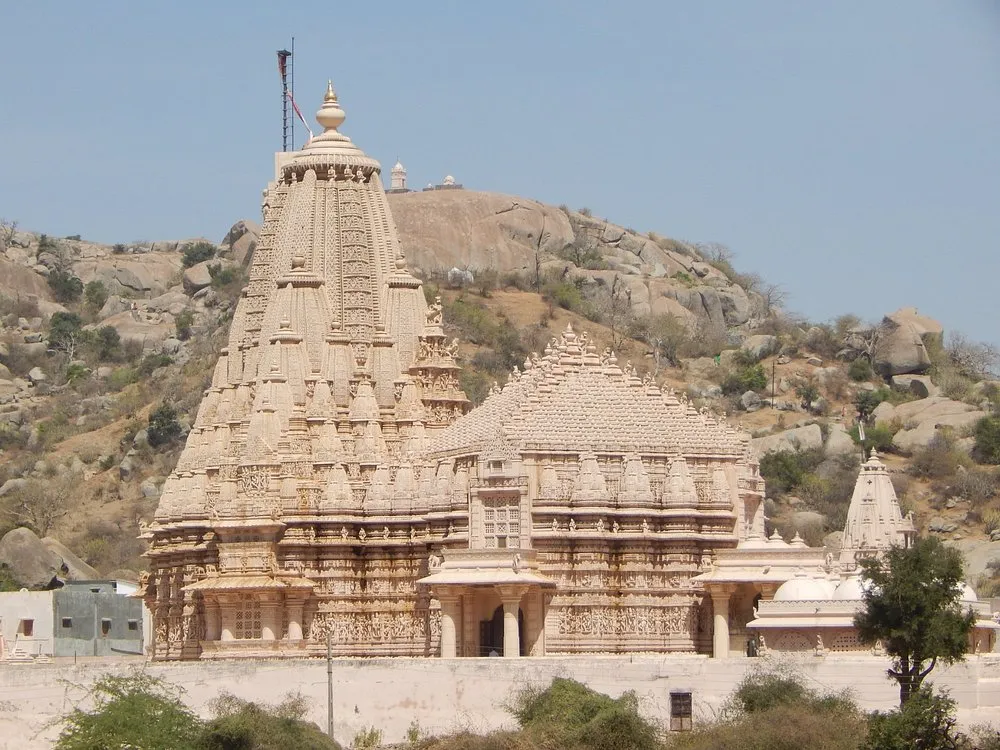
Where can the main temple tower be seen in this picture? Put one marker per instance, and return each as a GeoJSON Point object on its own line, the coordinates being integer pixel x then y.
{"type": "Point", "coordinates": [336, 373]}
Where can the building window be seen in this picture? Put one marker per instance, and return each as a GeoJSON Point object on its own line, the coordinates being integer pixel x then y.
{"type": "Point", "coordinates": [680, 712]}
{"type": "Point", "coordinates": [247, 615]}
{"type": "Point", "coordinates": [105, 627]}
{"type": "Point", "coordinates": [26, 628]}
{"type": "Point", "coordinates": [67, 622]}
{"type": "Point", "coordinates": [501, 524]}
{"type": "Point", "coordinates": [133, 624]}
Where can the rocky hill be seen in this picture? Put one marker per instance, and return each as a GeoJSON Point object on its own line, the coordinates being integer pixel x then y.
{"type": "Point", "coordinates": [105, 351]}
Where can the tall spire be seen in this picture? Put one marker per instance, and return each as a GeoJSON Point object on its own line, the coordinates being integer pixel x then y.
{"type": "Point", "coordinates": [874, 519]}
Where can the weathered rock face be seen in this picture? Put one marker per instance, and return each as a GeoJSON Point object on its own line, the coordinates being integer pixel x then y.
{"type": "Point", "coordinates": [30, 562]}
{"type": "Point", "coordinates": [922, 419]}
{"type": "Point", "coordinates": [466, 229]}
{"type": "Point", "coordinates": [240, 242]}
{"type": "Point", "coordinates": [904, 344]}
{"type": "Point", "coordinates": [797, 439]}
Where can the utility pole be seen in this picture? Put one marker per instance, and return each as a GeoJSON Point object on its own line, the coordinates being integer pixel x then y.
{"type": "Point", "coordinates": [329, 685]}
{"type": "Point", "coordinates": [774, 364]}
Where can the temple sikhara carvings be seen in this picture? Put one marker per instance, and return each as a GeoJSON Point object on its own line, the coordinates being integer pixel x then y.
{"type": "Point", "coordinates": [336, 483]}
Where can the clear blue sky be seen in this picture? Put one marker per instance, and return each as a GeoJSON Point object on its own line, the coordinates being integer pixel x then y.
{"type": "Point", "coordinates": [849, 151]}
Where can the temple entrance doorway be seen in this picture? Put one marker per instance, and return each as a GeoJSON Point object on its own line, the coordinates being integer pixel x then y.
{"type": "Point", "coordinates": [491, 633]}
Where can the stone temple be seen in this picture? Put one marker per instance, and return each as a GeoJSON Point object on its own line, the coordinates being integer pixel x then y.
{"type": "Point", "coordinates": [336, 487]}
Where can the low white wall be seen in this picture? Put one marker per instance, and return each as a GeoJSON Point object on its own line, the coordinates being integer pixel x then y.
{"type": "Point", "coordinates": [443, 695]}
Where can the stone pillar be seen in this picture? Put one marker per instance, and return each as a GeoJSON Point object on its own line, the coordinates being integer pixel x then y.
{"type": "Point", "coordinates": [294, 609]}
{"type": "Point", "coordinates": [212, 620]}
{"type": "Point", "coordinates": [450, 622]}
{"type": "Point", "coordinates": [720, 624]}
{"type": "Point", "coordinates": [270, 618]}
{"type": "Point", "coordinates": [511, 598]}
{"type": "Point", "coordinates": [226, 618]}
{"type": "Point", "coordinates": [534, 622]}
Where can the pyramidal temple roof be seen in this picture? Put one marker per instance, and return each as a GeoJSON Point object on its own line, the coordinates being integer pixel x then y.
{"type": "Point", "coordinates": [573, 398]}
{"type": "Point", "coordinates": [334, 358]}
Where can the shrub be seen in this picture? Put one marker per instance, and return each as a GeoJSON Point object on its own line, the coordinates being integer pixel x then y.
{"type": "Point", "coordinates": [163, 426]}
{"type": "Point", "coordinates": [198, 252]}
{"type": "Point", "coordinates": [65, 286]}
{"type": "Point", "coordinates": [570, 715]}
{"type": "Point", "coordinates": [136, 710]}
{"type": "Point", "coordinates": [878, 436]}
{"type": "Point", "coordinates": [752, 378]}
{"type": "Point", "coordinates": [860, 370]}
{"type": "Point", "coordinates": [118, 248]}
{"type": "Point", "coordinates": [939, 458]}
{"type": "Point", "coordinates": [987, 437]}
{"type": "Point", "coordinates": [107, 344]}
{"type": "Point", "coordinates": [243, 725]}
{"type": "Point", "coordinates": [96, 294]}
{"type": "Point", "coordinates": [183, 323]}
{"type": "Point", "coordinates": [927, 720]}
{"type": "Point", "coordinates": [153, 362]}
{"type": "Point", "coordinates": [367, 739]}
{"type": "Point", "coordinates": [221, 276]}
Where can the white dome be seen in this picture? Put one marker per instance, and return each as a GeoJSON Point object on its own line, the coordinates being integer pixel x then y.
{"type": "Point", "coordinates": [969, 594]}
{"type": "Point", "coordinates": [802, 588]}
{"type": "Point", "coordinates": [850, 589]}
{"type": "Point", "coordinates": [830, 586]}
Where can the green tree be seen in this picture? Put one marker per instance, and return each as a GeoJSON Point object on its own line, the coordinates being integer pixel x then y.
{"type": "Point", "coordinates": [96, 294]}
{"type": "Point", "coordinates": [65, 286]}
{"type": "Point", "coordinates": [987, 434]}
{"type": "Point", "coordinates": [107, 344]}
{"type": "Point", "coordinates": [137, 711]}
{"type": "Point", "coordinates": [912, 605]}
{"type": "Point", "coordinates": [163, 426]}
{"type": "Point", "coordinates": [65, 331]}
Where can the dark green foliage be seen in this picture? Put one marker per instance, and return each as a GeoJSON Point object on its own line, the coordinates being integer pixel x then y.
{"type": "Point", "coordinates": [866, 401]}
{"type": "Point", "coordinates": [747, 378]}
{"type": "Point", "coordinates": [912, 606]}
{"type": "Point", "coordinates": [878, 436]}
{"type": "Point", "coordinates": [96, 294]}
{"type": "Point", "coordinates": [136, 711]}
{"type": "Point", "coordinates": [65, 286]}
{"type": "Point", "coordinates": [784, 471]}
{"type": "Point", "coordinates": [242, 725]}
{"type": "Point", "coordinates": [570, 715]}
{"type": "Point", "coordinates": [222, 275]}
{"type": "Point", "coordinates": [7, 580]}
{"type": "Point", "coordinates": [860, 370]}
{"type": "Point", "coordinates": [163, 426]}
{"type": "Point", "coordinates": [118, 248]}
{"type": "Point", "coordinates": [939, 458]}
{"type": "Point", "coordinates": [987, 434]}
{"type": "Point", "coordinates": [107, 344]}
{"type": "Point", "coordinates": [65, 330]}
{"type": "Point", "coordinates": [153, 362]}
{"type": "Point", "coordinates": [807, 391]}
{"type": "Point", "coordinates": [198, 252]}
{"type": "Point", "coordinates": [183, 323]}
{"type": "Point", "coordinates": [926, 721]}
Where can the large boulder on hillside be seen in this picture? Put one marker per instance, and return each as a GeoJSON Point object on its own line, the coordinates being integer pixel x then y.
{"type": "Point", "coordinates": [805, 438]}
{"type": "Point", "coordinates": [147, 274]}
{"type": "Point", "coordinates": [838, 441]}
{"type": "Point", "coordinates": [903, 347]}
{"type": "Point", "coordinates": [142, 326]}
{"type": "Point", "coordinates": [240, 242]}
{"type": "Point", "coordinates": [30, 562]}
{"type": "Point", "coordinates": [75, 568]}
{"type": "Point", "coordinates": [198, 276]}
{"type": "Point", "coordinates": [761, 345]}
{"type": "Point", "coordinates": [922, 419]}
{"type": "Point", "coordinates": [441, 229]}
{"type": "Point", "coordinates": [919, 385]}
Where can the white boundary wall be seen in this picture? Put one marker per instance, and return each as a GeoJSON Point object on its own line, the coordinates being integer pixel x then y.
{"type": "Point", "coordinates": [446, 694]}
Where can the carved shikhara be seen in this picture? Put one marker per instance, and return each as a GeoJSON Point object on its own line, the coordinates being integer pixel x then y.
{"type": "Point", "coordinates": [334, 460]}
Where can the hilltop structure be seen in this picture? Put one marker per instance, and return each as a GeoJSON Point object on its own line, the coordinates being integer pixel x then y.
{"type": "Point", "coordinates": [333, 483]}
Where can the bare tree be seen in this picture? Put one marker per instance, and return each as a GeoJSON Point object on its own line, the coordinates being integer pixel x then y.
{"type": "Point", "coordinates": [8, 227]}
{"type": "Point", "coordinates": [618, 311]}
{"type": "Point", "coordinates": [714, 252]}
{"type": "Point", "coordinates": [974, 359]}
{"type": "Point", "coordinates": [867, 340]}
{"type": "Point", "coordinates": [39, 504]}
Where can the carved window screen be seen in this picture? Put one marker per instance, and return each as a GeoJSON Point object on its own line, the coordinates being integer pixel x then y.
{"type": "Point", "coordinates": [501, 524]}
{"type": "Point", "coordinates": [247, 618]}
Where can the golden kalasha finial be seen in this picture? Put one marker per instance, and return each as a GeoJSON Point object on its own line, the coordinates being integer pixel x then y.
{"type": "Point", "coordinates": [331, 95]}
